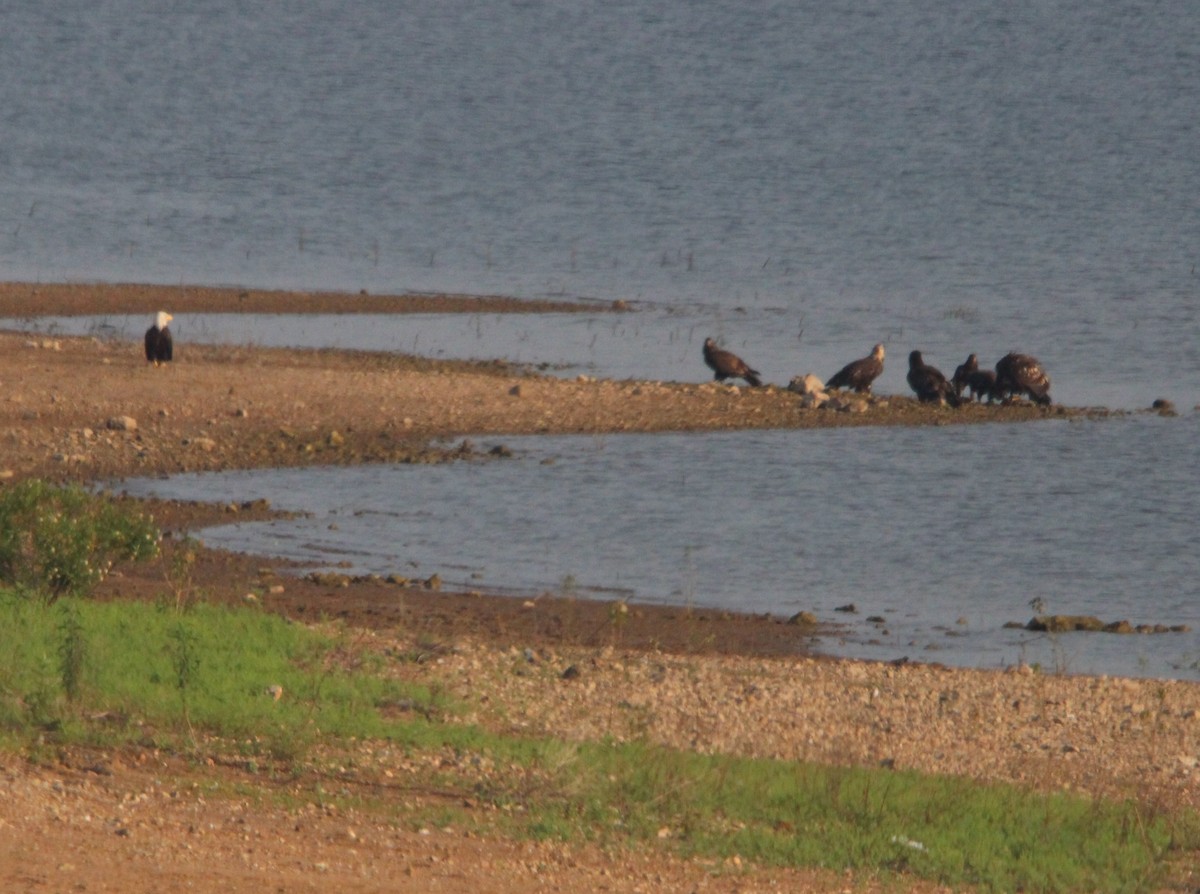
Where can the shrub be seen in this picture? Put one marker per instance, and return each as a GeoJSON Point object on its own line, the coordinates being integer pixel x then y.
{"type": "Point", "coordinates": [63, 540]}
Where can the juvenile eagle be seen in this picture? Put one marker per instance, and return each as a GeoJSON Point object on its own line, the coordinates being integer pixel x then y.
{"type": "Point", "coordinates": [928, 382]}
{"type": "Point", "coordinates": [981, 382]}
{"type": "Point", "coordinates": [158, 340]}
{"type": "Point", "coordinates": [1022, 374]}
{"type": "Point", "coordinates": [859, 374]}
{"type": "Point", "coordinates": [727, 365]}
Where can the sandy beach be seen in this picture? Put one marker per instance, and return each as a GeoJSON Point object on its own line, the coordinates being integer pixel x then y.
{"type": "Point", "coordinates": [88, 410]}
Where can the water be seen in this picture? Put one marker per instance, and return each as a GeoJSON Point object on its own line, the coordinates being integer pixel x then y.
{"type": "Point", "coordinates": [799, 179]}
{"type": "Point", "coordinates": [1033, 165]}
{"type": "Point", "coordinates": [945, 533]}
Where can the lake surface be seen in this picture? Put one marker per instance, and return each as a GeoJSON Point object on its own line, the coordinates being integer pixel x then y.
{"type": "Point", "coordinates": [955, 178]}
{"type": "Point", "coordinates": [799, 180]}
{"type": "Point", "coordinates": [945, 533]}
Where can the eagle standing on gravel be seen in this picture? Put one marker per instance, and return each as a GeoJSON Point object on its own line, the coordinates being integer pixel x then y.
{"type": "Point", "coordinates": [981, 382]}
{"type": "Point", "coordinates": [1022, 374]}
{"type": "Point", "coordinates": [158, 340]}
{"type": "Point", "coordinates": [859, 374]}
{"type": "Point", "coordinates": [727, 365]}
{"type": "Point", "coordinates": [928, 382]}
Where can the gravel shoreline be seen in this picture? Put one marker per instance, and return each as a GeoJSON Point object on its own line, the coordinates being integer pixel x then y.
{"type": "Point", "coordinates": [80, 409]}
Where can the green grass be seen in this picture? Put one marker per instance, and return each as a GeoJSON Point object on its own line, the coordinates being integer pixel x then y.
{"type": "Point", "coordinates": [174, 674]}
{"type": "Point", "coordinates": [996, 837]}
{"type": "Point", "coordinates": [79, 672]}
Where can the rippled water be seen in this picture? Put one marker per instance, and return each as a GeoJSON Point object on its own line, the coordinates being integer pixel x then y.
{"type": "Point", "coordinates": [945, 533]}
{"type": "Point", "coordinates": [951, 177]}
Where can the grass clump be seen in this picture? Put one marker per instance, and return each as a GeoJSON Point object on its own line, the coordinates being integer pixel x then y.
{"type": "Point", "coordinates": [62, 540]}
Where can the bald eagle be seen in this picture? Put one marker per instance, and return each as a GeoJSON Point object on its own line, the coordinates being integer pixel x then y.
{"type": "Point", "coordinates": [859, 374]}
{"type": "Point", "coordinates": [1022, 374]}
{"type": "Point", "coordinates": [158, 340]}
{"type": "Point", "coordinates": [727, 365]}
{"type": "Point", "coordinates": [981, 382]}
{"type": "Point", "coordinates": [928, 382]}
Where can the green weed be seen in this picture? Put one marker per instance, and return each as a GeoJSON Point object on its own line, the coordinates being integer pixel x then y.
{"type": "Point", "coordinates": [71, 651]}
{"type": "Point", "coordinates": [61, 540]}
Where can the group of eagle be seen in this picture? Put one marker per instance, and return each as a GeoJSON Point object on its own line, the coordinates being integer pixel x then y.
{"type": "Point", "coordinates": [1015, 374]}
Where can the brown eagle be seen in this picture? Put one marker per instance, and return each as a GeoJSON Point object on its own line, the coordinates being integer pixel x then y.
{"type": "Point", "coordinates": [859, 374]}
{"type": "Point", "coordinates": [928, 382]}
{"type": "Point", "coordinates": [981, 382]}
{"type": "Point", "coordinates": [727, 365]}
{"type": "Point", "coordinates": [1022, 374]}
{"type": "Point", "coordinates": [158, 340]}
